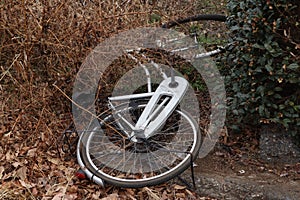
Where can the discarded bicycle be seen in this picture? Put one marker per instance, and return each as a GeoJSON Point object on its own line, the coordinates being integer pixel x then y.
{"type": "Point", "coordinates": [146, 136]}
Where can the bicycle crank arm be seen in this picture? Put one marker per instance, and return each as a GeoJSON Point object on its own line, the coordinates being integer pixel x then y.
{"type": "Point", "coordinates": [161, 105]}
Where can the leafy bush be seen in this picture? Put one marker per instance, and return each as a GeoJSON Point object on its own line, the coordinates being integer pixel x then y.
{"type": "Point", "coordinates": [263, 76]}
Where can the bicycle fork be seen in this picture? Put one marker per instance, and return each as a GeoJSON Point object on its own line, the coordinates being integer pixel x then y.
{"type": "Point", "coordinates": [160, 106]}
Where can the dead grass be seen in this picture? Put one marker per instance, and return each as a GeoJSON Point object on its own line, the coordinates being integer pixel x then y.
{"type": "Point", "coordinates": [44, 42]}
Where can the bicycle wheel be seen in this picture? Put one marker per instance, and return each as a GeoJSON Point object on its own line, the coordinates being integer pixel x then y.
{"type": "Point", "coordinates": [110, 155]}
{"type": "Point", "coordinates": [209, 30]}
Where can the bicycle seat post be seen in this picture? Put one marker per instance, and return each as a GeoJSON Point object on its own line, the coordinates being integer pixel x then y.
{"type": "Point", "coordinates": [173, 83]}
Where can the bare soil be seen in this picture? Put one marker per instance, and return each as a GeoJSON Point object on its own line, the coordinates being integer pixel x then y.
{"type": "Point", "coordinates": [232, 172]}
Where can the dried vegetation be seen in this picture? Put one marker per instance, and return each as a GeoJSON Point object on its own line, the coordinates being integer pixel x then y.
{"type": "Point", "coordinates": [42, 45]}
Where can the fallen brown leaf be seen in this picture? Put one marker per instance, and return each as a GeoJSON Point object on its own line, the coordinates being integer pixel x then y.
{"type": "Point", "coordinates": [22, 173]}
{"type": "Point", "coordinates": [53, 160]}
{"type": "Point", "coordinates": [26, 185]}
{"type": "Point", "coordinates": [151, 193]}
{"type": "Point", "coordinates": [113, 196]}
{"type": "Point", "coordinates": [1, 171]}
{"type": "Point", "coordinates": [31, 152]}
{"type": "Point", "coordinates": [179, 187]}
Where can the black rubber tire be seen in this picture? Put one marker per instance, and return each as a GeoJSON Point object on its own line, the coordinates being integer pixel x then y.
{"type": "Point", "coordinates": [208, 17]}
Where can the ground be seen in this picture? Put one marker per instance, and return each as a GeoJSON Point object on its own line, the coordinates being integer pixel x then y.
{"type": "Point", "coordinates": [246, 175]}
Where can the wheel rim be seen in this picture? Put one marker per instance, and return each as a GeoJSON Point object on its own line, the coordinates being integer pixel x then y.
{"type": "Point", "coordinates": [115, 157]}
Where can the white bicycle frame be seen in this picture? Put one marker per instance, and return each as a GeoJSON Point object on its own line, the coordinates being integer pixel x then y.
{"type": "Point", "coordinates": [156, 112]}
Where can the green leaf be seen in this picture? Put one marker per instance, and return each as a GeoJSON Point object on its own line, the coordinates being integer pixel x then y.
{"type": "Point", "coordinates": [297, 108]}
{"type": "Point", "coordinates": [261, 109]}
{"type": "Point", "coordinates": [277, 96]}
{"type": "Point", "coordinates": [270, 92]}
{"type": "Point", "coordinates": [235, 112]}
{"type": "Point", "coordinates": [234, 28]}
{"type": "Point", "coordinates": [258, 46]}
{"type": "Point", "coordinates": [293, 66]}
{"type": "Point", "coordinates": [269, 48]}
{"type": "Point", "coordinates": [263, 78]}
{"type": "Point", "coordinates": [294, 80]}
{"type": "Point", "coordinates": [286, 121]}
{"type": "Point", "coordinates": [277, 89]}
{"type": "Point", "coordinates": [155, 18]}
{"type": "Point", "coordinates": [269, 68]}
{"type": "Point", "coordinates": [260, 90]}
{"type": "Point", "coordinates": [291, 103]}
{"type": "Point", "coordinates": [281, 107]}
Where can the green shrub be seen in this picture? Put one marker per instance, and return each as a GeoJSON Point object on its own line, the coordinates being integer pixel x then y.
{"type": "Point", "coordinates": [263, 63]}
